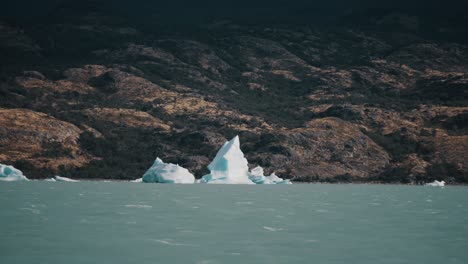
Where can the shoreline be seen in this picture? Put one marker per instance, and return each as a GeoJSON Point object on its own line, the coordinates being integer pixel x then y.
{"type": "Point", "coordinates": [294, 182]}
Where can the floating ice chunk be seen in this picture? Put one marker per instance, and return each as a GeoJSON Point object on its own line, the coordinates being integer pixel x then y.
{"type": "Point", "coordinates": [256, 175]}
{"type": "Point", "coordinates": [64, 179]}
{"type": "Point", "coordinates": [50, 180]}
{"type": "Point", "coordinates": [137, 180]}
{"type": "Point", "coordinates": [436, 183]}
{"type": "Point", "coordinates": [167, 173]}
{"type": "Point", "coordinates": [273, 179]}
{"type": "Point", "coordinates": [229, 166]}
{"type": "Point", "coordinates": [10, 173]}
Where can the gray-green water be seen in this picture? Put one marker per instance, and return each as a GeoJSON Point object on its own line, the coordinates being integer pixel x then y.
{"type": "Point", "coordinates": [97, 222]}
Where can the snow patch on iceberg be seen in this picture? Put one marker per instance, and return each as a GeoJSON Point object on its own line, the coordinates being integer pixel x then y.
{"type": "Point", "coordinates": [229, 165]}
{"type": "Point", "coordinates": [167, 173]}
{"type": "Point", "coordinates": [10, 173]}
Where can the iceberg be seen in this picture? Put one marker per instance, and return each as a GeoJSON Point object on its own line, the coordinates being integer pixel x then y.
{"type": "Point", "coordinates": [10, 173]}
{"type": "Point", "coordinates": [167, 173]}
{"type": "Point", "coordinates": [64, 179]}
{"type": "Point", "coordinates": [256, 176]}
{"type": "Point", "coordinates": [229, 165]}
{"type": "Point", "coordinates": [436, 183]}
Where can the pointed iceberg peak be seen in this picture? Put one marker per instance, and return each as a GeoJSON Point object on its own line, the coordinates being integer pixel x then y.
{"type": "Point", "coordinates": [229, 165]}
{"type": "Point", "coordinates": [167, 173]}
{"type": "Point", "coordinates": [235, 141]}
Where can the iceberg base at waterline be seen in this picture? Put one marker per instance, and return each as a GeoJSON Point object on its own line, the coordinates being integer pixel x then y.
{"type": "Point", "coordinates": [161, 172]}
{"type": "Point", "coordinates": [10, 173]}
{"type": "Point", "coordinates": [223, 180]}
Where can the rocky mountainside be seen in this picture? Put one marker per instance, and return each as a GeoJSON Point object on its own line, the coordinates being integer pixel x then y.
{"type": "Point", "coordinates": [97, 95]}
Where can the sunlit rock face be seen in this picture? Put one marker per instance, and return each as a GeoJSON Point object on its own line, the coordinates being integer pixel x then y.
{"type": "Point", "coordinates": [161, 172]}
{"type": "Point", "coordinates": [229, 166]}
{"type": "Point", "coordinates": [10, 173]}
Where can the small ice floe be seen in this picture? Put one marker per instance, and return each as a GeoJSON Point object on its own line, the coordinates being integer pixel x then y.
{"type": "Point", "coordinates": [10, 173]}
{"type": "Point", "coordinates": [50, 180]}
{"type": "Point", "coordinates": [137, 180]}
{"type": "Point", "coordinates": [64, 179]}
{"type": "Point", "coordinates": [436, 183]}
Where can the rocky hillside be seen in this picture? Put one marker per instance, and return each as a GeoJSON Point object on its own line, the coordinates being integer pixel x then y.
{"type": "Point", "coordinates": [99, 96]}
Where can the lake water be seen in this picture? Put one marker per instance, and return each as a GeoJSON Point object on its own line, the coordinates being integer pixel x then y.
{"type": "Point", "coordinates": [99, 222]}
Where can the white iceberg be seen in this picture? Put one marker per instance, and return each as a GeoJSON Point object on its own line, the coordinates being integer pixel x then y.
{"type": "Point", "coordinates": [229, 166]}
{"type": "Point", "coordinates": [167, 173]}
{"type": "Point", "coordinates": [436, 183]}
{"type": "Point", "coordinates": [10, 173]}
{"type": "Point", "coordinates": [64, 179]}
{"type": "Point", "coordinates": [257, 176]}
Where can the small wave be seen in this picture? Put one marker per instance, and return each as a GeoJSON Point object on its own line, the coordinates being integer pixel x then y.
{"type": "Point", "coordinates": [168, 242]}
{"type": "Point", "coordinates": [32, 210]}
{"type": "Point", "coordinates": [244, 203]}
{"type": "Point", "coordinates": [321, 211]}
{"type": "Point", "coordinates": [272, 229]}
